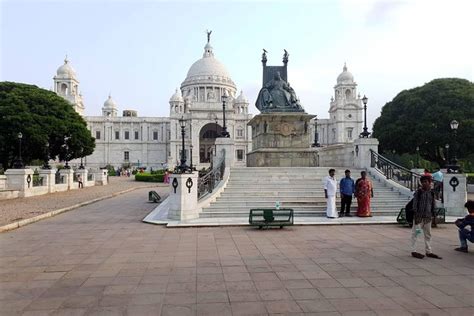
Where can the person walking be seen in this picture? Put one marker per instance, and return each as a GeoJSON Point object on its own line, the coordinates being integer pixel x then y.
{"type": "Point", "coordinates": [79, 181]}
{"type": "Point", "coordinates": [461, 223]}
{"type": "Point", "coordinates": [423, 215]}
{"type": "Point", "coordinates": [347, 188]}
{"type": "Point", "coordinates": [330, 189]}
{"type": "Point", "coordinates": [438, 183]}
{"type": "Point", "coordinates": [363, 192]}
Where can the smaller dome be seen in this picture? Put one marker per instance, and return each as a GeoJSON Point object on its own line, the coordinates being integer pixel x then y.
{"type": "Point", "coordinates": [241, 98]}
{"type": "Point", "coordinates": [110, 103]}
{"type": "Point", "coordinates": [345, 76]}
{"type": "Point", "coordinates": [177, 96]}
{"type": "Point", "coordinates": [66, 71]}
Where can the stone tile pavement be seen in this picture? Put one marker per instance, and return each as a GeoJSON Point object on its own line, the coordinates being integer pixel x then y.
{"type": "Point", "coordinates": [101, 259]}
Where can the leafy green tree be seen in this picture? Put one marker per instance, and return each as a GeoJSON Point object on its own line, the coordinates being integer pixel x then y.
{"type": "Point", "coordinates": [43, 118]}
{"type": "Point", "coordinates": [420, 117]}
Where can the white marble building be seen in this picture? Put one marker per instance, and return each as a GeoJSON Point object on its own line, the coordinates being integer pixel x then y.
{"type": "Point", "coordinates": [346, 119]}
{"type": "Point", "coordinates": [67, 86]}
{"type": "Point", "coordinates": [156, 141]}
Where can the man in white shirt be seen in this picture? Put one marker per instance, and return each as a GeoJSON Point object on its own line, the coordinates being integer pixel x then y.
{"type": "Point", "coordinates": [330, 189]}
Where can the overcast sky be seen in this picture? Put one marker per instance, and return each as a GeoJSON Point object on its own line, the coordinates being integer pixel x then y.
{"type": "Point", "coordinates": [141, 50]}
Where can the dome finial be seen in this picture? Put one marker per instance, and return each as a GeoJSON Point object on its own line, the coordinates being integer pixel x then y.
{"type": "Point", "coordinates": [208, 35]}
{"type": "Point", "coordinates": [208, 48]}
{"type": "Point", "coordinates": [345, 67]}
{"type": "Point", "coordinates": [66, 60]}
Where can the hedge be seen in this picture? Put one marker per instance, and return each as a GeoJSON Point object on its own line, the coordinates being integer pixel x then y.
{"type": "Point", "coordinates": [146, 177]}
{"type": "Point", "coordinates": [470, 178]}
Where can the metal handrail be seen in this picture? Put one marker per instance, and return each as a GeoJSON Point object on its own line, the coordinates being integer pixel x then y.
{"type": "Point", "coordinates": [210, 180]}
{"type": "Point", "coordinates": [399, 174]}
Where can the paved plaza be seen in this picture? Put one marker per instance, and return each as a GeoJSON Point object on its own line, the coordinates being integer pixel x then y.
{"type": "Point", "coordinates": [101, 259]}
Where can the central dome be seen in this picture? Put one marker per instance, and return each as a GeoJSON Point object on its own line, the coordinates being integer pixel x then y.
{"type": "Point", "coordinates": [208, 70]}
{"type": "Point", "coordinates": [207, 66]}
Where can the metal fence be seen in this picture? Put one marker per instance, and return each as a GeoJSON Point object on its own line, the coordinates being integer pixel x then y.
{"type": "Point", "coordinates": [400, 174]}
{"type": "Point", "coordinates": [37, 181]}
{"type": "Point", "coordinates": [210, 180]}
{"type": "Point", "coordinates": [58, 178]}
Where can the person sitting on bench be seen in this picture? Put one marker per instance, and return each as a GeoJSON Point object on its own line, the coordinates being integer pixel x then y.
{"type": "Point", "coordinates": [466, 234]}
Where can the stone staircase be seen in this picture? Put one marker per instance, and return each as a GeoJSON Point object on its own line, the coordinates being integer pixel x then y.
{"type": "Point", "coordinates": [297, 188]}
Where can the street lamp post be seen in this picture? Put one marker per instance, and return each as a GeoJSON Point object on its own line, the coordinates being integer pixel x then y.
{"type": "Point", "coordinates": [182, 167]}
{"type": "Point", "coordinates": [46, 157]}
{"type": "Point", "coordinates": [81, 166]}
{"type": "Point", "coordinates": [66, 147]}
{"type": "Point", "coordinates": [365, 133]}
{"type": "Point", "coordinates": [316, 144]}
{"type": "Point", "coordinates": [225, 133]}
{"type": "Point", "coordinates": [447, 154]}
{"type": "Point", "coordinates": [417, 157]}
{"type": "Point", "coordinates": [19, 162]}
{"type": "Point", "coordinates": [191, 156]}
{"type": "Point", "coordinates": [454, 162]}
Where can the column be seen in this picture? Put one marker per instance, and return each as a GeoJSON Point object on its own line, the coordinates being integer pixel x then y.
{"type": "Point", "coordinates": [183, 197]}
{"type": "Point", "coordinates": [68, 177]}
{"type": "Point", "coordinates": [20, 180]}
{"type": "Point", "coordinates": [225, 148]}
{"type": "Point", "coordinates": [455, 194]}
{"type": "Point", "coordinates": [83, 173]}
{"type": "Point", "coordinates": [362, 147]}
{"type": "Point", "coordinates": [101, 177]}
{"type": "Point", "coordinates": [48, 178]}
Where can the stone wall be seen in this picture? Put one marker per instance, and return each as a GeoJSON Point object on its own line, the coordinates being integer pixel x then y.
{"type": "Point", "coordinates": [335, 156]}
{"type": "Point", "coordinates": [21, 182]}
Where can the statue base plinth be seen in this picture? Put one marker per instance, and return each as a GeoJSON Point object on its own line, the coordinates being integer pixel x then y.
{"type": "Point", "coordinates": [281, 140]}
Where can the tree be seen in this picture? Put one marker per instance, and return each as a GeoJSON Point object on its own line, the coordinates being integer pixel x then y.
{"type": "Point", "coordinates": [420, 117]}
{"type": "Point", "coordinates": [43, 118]}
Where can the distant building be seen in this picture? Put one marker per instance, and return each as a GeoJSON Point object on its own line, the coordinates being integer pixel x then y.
{"type": "Point", "coordinates": [156, 141]}
{"type": "Point", "coordinates": [345, 120]}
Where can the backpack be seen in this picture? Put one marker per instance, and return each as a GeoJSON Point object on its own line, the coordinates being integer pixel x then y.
{"type": "Point", "coordinates": [409, 212]}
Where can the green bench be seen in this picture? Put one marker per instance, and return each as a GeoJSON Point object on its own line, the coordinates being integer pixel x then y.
{"type": "Point", "coordinates": [440, 213]}
{"type": "Point", "coordinates": [154, 197]}
{"type": "Point", "coordinates": [265, 217]}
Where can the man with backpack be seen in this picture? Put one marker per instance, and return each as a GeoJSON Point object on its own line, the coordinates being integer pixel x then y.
{"type": "Point", "coordinates": [423, 215]}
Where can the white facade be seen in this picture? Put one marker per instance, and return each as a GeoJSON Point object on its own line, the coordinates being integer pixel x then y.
{"type": "Point", "coordinates": [67, 86]}
{"type": "Point", "coordinates": [156, 141]}
{"type": "Point", "coordinates": [345, 120]}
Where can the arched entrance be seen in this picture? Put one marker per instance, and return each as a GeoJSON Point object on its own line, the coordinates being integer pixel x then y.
{"type": "Point", "coordinates": [207, 138]}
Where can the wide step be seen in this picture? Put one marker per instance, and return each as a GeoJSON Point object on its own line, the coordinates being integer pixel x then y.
{"type": "Point", "coordinates": [296, 188]}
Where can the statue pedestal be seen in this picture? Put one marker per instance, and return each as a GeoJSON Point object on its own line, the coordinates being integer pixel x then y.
{"type": "Point", "coordinates": [281, 140]}
{"type": "Point", "coordinates": [183, 197]}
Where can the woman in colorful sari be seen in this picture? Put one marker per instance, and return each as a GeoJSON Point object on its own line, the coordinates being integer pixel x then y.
{"type": "Point", "coordinates": [363, 193]}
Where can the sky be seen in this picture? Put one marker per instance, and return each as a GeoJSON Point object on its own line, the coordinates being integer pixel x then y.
{"type": "Point", "coordinates": [140, 51]}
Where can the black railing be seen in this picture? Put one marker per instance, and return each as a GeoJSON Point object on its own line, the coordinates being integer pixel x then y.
{"type": "Point", "coordinates": [37, 181]}
{"type": "Point", "coordinates": [209, 181]}
{"type": "Point", "coordinates": [400, 174]}
{"type": "Point", "coordinates": [58, 178]}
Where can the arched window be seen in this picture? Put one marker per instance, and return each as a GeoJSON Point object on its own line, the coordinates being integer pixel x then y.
{"type": "Point", "coordinates": [64, 88]}
{"type": "Point", "coordinates": [348, 94]}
